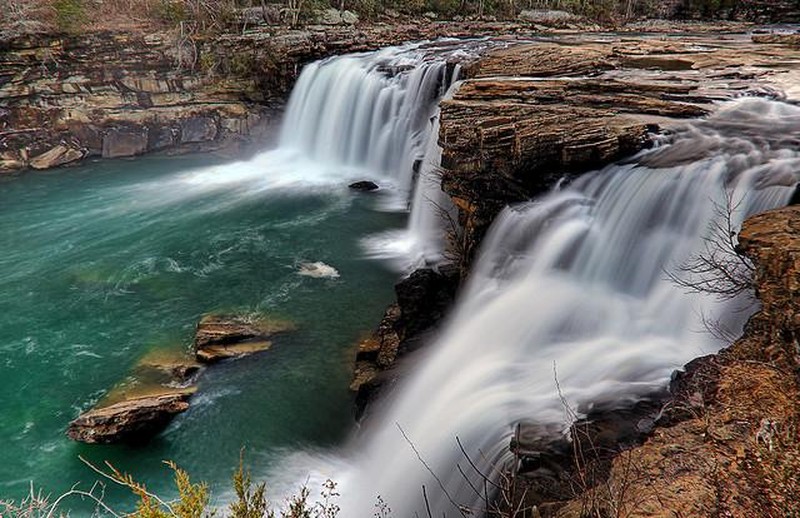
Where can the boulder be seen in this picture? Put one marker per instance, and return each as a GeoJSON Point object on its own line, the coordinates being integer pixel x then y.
{"type": "Point", "coordinates": [547, 16]}
{"type": "Point", "coordinates": [329, 17]}
{"type": "Point", "coordinates": [349, 18]}
{"type": "Point", "coordinates": [56, 156]}
{"type": "Point", "coordinates": [364, 186]}
{"type": "Point", "coordinates": [131, 421]}
{"type": "Point", "coordinates": [220, 337]}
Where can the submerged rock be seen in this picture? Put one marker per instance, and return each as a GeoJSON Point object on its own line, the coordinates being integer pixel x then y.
{"type": "Point", "coordinates": [134, 420]}
{"type": "Point", "coordinates": [221, 337]}
{"type": "Point", "coordinates": [364, 186]}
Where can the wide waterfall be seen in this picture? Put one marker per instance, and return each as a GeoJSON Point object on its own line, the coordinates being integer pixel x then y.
{"type": "Point", "coordinates": [376, 115]}
{"type": "Point", "coordinates": [573, 290]}
{"type": "Point", "coordinates": [369, 112]}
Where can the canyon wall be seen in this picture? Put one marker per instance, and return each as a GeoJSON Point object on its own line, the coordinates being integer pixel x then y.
{"type": "Point", "coordinates": [118, 94]}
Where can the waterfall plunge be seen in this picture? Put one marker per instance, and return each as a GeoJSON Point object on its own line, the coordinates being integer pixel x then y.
{"type": "Point", "coordinates": [376, 114]}
{"type": "Point", "coordinates": [370, 112]}
{"type": "Point", "coordinates": [573, 286]}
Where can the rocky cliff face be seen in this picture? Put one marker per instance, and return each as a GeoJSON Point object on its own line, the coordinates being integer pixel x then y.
{"type": "Point", "coordinates": [110, 95]}
{"type": "Point", "coordinates": [727, 442]}
{"type": "Point", "coordinates": [531, 114]}
{"type": "Point", "coordinates": [64, 98]}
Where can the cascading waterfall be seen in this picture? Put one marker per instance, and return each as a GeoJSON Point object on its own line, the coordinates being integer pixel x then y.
{"type": "Point", "coordinates": [430, 206]}
{"type": "Point", "coordinates": [376, 114]}
{"type": "Point", "coordinates": [423, 242]}
{"type": "Point", "coordinates": [369, 112]}
{"type": "Point", "coordinates": [572, 287]}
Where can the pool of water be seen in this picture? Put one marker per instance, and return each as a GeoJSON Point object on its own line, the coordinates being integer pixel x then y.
{"type": "Point", "coordinates": [104, 263]}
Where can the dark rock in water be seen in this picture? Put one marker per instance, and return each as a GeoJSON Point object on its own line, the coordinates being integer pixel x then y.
{"type": "Point", "coordinates": [221, 337]}
{"type": "Point", "coordinates": [364, 186]}
{"type": "Point", "coordinates": [131, 421]}
{"type": "Point", "coordinates": [423, 297]}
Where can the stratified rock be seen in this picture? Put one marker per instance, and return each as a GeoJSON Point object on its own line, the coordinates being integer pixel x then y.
{"type": "Point", "coordinates": [131, 421]}
{"type": "Point", "coordinates": [221, 337]}
{"type": "Point", "coordinates": [778, 38]}
{"type": "Point", "coordinates": [216, 353]}
{"type": "Point", "coordinates": [198, 129]}
{"type": "Point", "coordinates": [364, 186]}
{"type": "Point", "coordinates": [124, 142]}
{"type": "Point", "coordinates": [55, 157]}
{"type": "Point", "coordinates": [532, 114]}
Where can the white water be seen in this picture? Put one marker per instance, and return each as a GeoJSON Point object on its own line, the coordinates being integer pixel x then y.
{"type": "Point", "coordinates": [376, 115]}
{"type": "Point", "coordinates": [572, 286]}
{"type": "Point", "coordinates": [354, 117]}
{"type": "Point", "coordinates": [369, 112]}
{"type": "Point", "coordinates": [423, 242]}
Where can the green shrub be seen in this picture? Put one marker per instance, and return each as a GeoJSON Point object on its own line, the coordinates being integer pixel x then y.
{"type": "Point", "coordinates": [69, 14]}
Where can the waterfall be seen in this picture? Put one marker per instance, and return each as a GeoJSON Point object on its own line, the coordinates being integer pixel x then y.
{"type": "Point", "coordinates": [431, 208]}
{"type": "Point", "coordinates": [573, 287]}
{"type": "Point", "coordinates": [376, 115]}
{"type": "Point", "coordinates": [368, 112]}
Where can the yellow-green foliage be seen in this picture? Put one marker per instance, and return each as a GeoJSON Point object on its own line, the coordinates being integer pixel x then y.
{"type": "Point", "coordinates": [69, 14]}
{"type": "Point", "coordinates": [251, 501]}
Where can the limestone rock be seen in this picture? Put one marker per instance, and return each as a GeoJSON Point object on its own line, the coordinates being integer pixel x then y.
{"type": "Point", "coordinates": [221, 337]}
{"type": "Point", "coordinates": [134, 420]}
{"type": "Point", "coordinates": [124, 142]}
{"type": "Point", "coordinates": [349, 18]}
{"type": "Point", "coordinates": [530, 114]}
{"type": "Point", "coordinates": [55, 157]}
{"type": "Point", "coordinates": [330, 16]}
{"type": "Point", "coordinates": [198, 129]}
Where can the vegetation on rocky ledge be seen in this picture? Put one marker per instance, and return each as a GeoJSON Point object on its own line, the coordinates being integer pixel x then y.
{"type": "Point", "coordinates": [213, 16]}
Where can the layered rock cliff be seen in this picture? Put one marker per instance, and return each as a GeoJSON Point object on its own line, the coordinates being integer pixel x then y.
{"type": "Point", "coordinates": [119, 94]}
{"type": "Point", "coordinates": [532, 114]}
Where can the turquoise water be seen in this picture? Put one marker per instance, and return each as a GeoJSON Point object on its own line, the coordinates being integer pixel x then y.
{"type": "Point", "coordinates": [103, 263]}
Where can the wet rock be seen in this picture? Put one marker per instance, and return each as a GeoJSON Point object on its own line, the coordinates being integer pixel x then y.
{"type": "Point", "coordinates": [364, 186]}
{"type": "Point", "coordinates": [130, 421]}
{"type": "Point", "coordinates": [727, 431]}
{"type": "Point", "coordinates": [423, 298]}
{"type": "Point", "coordinates": [59, 155]}
{"type": "Point", "coordinates": [221, 337]}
